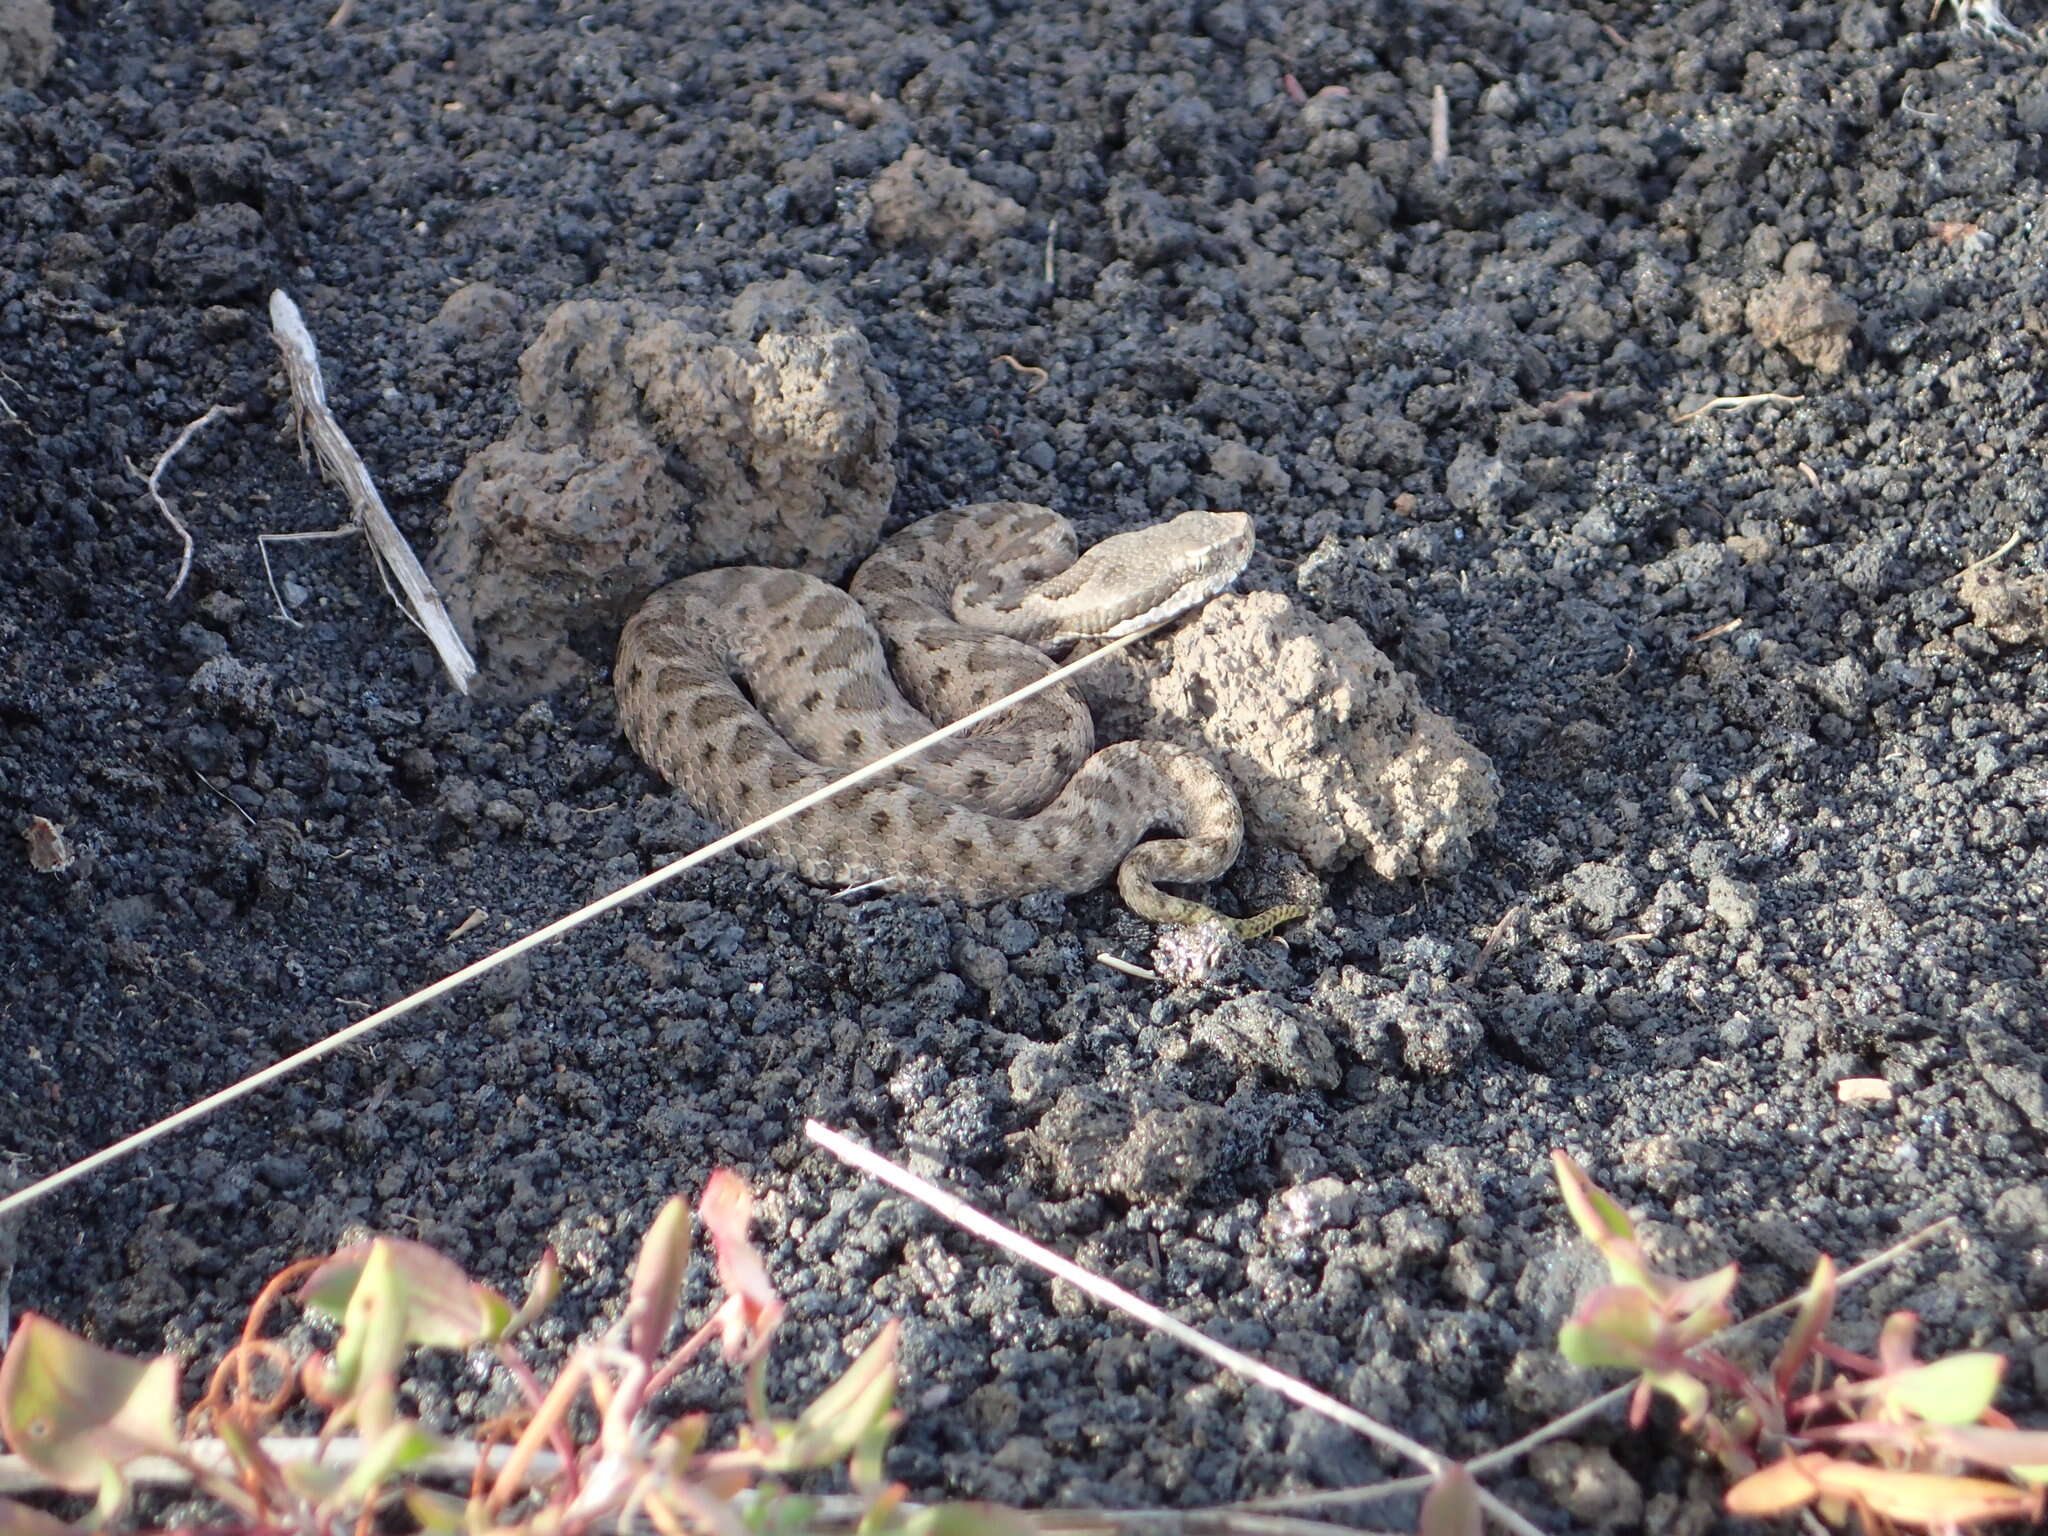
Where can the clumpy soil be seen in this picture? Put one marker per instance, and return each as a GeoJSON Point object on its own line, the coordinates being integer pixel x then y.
{"type": "Point", "coordinates": [1774, 789]}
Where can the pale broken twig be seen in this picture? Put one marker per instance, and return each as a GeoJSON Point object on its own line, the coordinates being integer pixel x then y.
{"type": "Point", "coordinates": [1509, 921]}
{"type": "Point", "coordinates": [344, 466]}
{"type": "Point", "coordinates": [154, 481]}
{"type": "Point", "coordinates": [1736, 403]}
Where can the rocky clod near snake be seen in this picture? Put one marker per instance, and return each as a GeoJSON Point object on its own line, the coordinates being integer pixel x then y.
{"type": "Point", "coordinates": [747, 687]}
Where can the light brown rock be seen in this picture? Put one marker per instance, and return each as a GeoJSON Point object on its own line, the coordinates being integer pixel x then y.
{"type": "Point", "coordinates": [924, 200]}
{"type": "Point", "coordinates": [28, 42]}
{"type": "Point", "coordinates": [1335, 753]}
{"type": "Point", "coordinates": [1803, 314]}
{"type": "Point", "coordinates": [2013, 610]}
{"type": "Point", "coordinates": [654, 442]}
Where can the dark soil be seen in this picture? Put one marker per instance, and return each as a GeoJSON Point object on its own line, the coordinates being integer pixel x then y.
{"type": "Point", "coordinates": [1737, 864]}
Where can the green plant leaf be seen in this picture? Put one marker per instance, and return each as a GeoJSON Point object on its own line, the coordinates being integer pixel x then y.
{"type": "Point", "coordinates": [1955, 1390]}
{"type": "Point", "coordinates": [373, 1340]}
{"type": "Point", "coordinates": [314, 1482]}
{"type": "Point", "coordinates": [779, 1513]}
{"type": "Point", "coordinates": [436, 1513]}
{"type": "Point", "coordinates": [1778, 1489]}
{"type": "Point", "coordinates": [1816, 1310]}
{"type": "Point", "coordinates": [403, 1444]}
{"type": "Point", "coordinates": [1603, 1224]}
{"type": "Point", "coordinates": [751, 1309]}
{"type": "Point", "coordinates": [444, 1308]}
{"type": "Point", "coordinates": [1616, 1326]}
{"type": "Point", "coordinates": [961, 1520]}
{"type": "Point", "coordinates": [1597, 1217]}
{"type": "Point", "coordinates": [2021, 1452]}
{"type": "Point", "coordinates": [682, 1439]}
{"type": "Point", "coordinates": [881, 1514]}
{"type": "Point", "coordinates": [25, 1520]}
{"type": "Point", "coordinates": [864, 1469]}
{"type": "Point", "coordinates": [76, 1412]}
{"type": "Point", "coordinates": [1699, 1307]}
{"type": "Point", "coordinates": [542, 1287]}
{"type": "Point", "coordinates": [658, 1279]}
{"type": "Point", "coordinates": [391, 1293]}
{"type": "Point", "coordinates": [1689, 1392]}
{"type": "Point", "coordinates": [1451, 1507]}
{"type": "Point", "coordinates": [829, 1429]}
{"type": "Point", "coordinates": [494, 1316]}
{"type": "Point", "coordinates": [1895, 1342]}
{"type": "Point", "coordinates": [1931, 1499]}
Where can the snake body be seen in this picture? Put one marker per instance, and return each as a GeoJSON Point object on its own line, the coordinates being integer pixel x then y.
{"type": "Point", "coordinates": [747, 687]}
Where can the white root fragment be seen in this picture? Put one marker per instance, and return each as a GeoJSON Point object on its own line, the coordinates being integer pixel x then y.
{"type": "Point", "coordinates": [154, 480]}
{"type": "Point", "coordinates": [1126, 967]}
{"type": "Point", "coordinates": [420, 603]}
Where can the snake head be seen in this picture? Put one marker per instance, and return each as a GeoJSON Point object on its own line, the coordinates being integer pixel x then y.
{"type": "Point", "coordinates": [1128, 582]}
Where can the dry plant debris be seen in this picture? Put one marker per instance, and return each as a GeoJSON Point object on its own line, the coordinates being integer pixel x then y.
{"type": "Point", "coordinates": [316, 423]}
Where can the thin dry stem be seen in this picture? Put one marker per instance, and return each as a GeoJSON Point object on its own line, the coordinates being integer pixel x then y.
{"type": "Point", "coordinates": [228, 799]}
{"type": "Point", "coordinates": [1997, 554]}
{"type": "Point", "coordinates": [1509, 920]}
{"type": "Point", "coordinates": [265, 540]}
{"type": "Point", "coordinates": [154, 481]}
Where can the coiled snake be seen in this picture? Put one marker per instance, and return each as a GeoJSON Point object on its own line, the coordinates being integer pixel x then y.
{"type": "Point", "coordinates": [747, 687]}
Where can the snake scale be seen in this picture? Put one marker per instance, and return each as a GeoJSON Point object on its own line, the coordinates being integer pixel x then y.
{"type": "Point", "coordinates": [746, 687]}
